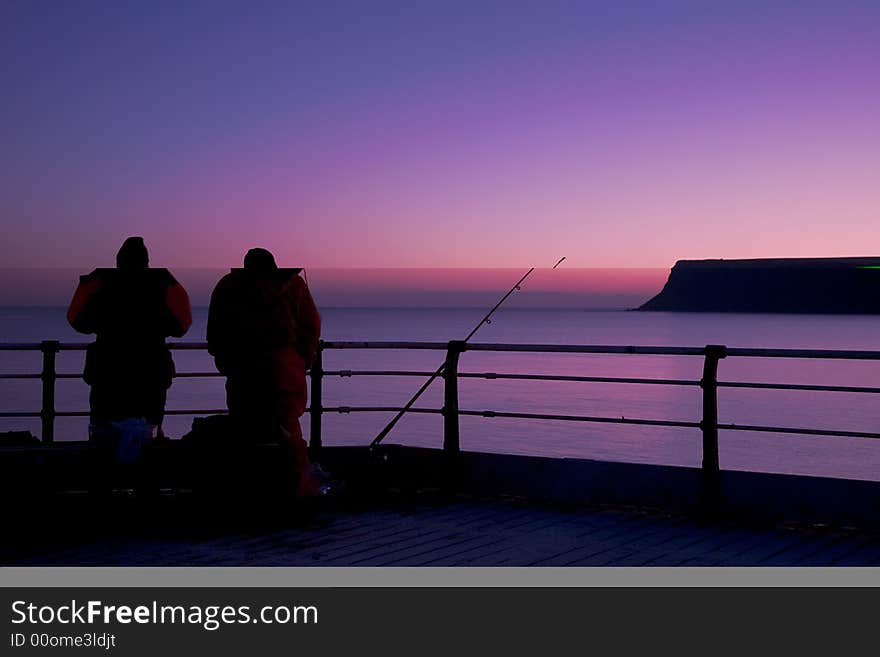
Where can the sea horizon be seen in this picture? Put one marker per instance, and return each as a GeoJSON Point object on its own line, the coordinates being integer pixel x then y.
{"type": "Point", "coordinates": [401, 287]}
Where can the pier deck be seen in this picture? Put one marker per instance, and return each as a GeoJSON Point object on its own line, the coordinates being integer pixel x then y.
{"type": "Point", "coordinates": [457, 531]}
{"type": "Point", "coordinates": [483, 529]}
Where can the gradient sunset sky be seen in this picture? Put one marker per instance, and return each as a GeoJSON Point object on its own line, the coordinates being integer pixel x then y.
{"type": "Point", "coordinates": [439, 134]}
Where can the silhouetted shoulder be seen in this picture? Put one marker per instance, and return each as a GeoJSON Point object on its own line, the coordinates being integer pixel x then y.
{"type": "Point", "coordinates": [225, 279]}
{"type": "Point", "coordinates": [298, 286]}
{"type": "Point", "coordinates": [164, 277]}
{"type": "Point", "coordinates": [93, 275]}
{"type": "Point", "coordinates": [226, 283]}
{"type": "Point", "coordinates": [157, 277]}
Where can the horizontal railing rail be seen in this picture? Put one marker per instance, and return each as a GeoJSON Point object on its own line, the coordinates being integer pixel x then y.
{"type": "Point", "coordinates": [537, 348]}
{"type": "Point", "coordinates": [709, 383]}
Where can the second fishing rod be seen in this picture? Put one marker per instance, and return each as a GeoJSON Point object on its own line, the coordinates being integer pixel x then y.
{"type": "Point", "coordinates": [486, 320]}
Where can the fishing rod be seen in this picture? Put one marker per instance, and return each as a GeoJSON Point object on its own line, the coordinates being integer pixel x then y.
{"type": "Point", "coordinates": [486, 320]}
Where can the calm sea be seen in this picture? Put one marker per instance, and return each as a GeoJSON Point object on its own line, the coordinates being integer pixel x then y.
{"type": "Point", "coordinates": [841, 457]}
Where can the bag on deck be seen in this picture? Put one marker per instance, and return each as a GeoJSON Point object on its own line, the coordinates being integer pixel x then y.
{"type": "Point", "coordinates": [133, 435]}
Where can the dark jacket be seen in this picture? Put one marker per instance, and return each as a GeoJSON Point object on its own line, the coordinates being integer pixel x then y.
{"type": "Point", "coordinates": [264, 320]}
{"type": "Point", "coordinates": [131, 312]}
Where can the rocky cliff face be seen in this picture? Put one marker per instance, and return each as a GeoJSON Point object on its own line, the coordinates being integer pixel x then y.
{"type": "Point", "coordinates": [786, 285]}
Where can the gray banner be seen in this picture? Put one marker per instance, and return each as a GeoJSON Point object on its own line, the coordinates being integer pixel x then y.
{"type": "Point", "coordinates": [434, 577]}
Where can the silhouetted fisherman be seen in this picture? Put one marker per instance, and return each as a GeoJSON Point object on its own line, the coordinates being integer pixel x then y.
{"type": "Point", "coordinates": [263, 330]}
{"type": "Point", "coordinates": [131, 309]}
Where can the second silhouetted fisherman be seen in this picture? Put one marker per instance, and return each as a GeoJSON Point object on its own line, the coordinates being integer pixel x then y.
{"type": "Point", "coordinates": [263, 331]}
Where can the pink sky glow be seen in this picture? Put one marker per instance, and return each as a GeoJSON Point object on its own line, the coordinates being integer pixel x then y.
{"type": "Point", "coordinates": [616, 134]}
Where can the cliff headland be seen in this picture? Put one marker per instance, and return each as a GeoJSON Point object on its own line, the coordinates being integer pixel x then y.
{"type": "Point", "coordinates": [781, 285]}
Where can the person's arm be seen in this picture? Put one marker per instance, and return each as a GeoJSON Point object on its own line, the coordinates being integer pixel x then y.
{"type": "Point", "coordinates": [308, 321]}
{"type": "Point", "coordinates": [217, 333]}
{"type": "Point", "coordinates": [81, 313]}
{"type": "Point", "coordinates": [177, 301]}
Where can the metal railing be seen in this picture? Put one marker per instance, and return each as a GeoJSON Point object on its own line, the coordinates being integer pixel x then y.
{"type": "Point", "coordinates": [709, 384]}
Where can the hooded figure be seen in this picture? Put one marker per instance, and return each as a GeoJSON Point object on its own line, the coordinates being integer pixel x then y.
{"type": "Point", "coordinates": [131, 309]}
{"type": "Point", "coordinates": [263, 330]}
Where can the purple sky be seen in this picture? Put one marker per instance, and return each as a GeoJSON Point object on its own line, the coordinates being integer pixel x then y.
{"type": "Point", "coordinates": [496, 134]}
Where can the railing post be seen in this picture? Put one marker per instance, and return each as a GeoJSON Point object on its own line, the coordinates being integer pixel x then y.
{"type": "Point", "coordinates": [710, 475]}
{"type": "Point", "coordinates": [47, 413]}
{"type": "Point", "coordinates": [317, 407]}
{"type": "Point", "coordinates": [451, 444]}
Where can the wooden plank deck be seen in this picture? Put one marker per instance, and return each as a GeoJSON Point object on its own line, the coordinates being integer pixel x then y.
{"type": "Point", "coordinates": [452, 532]}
